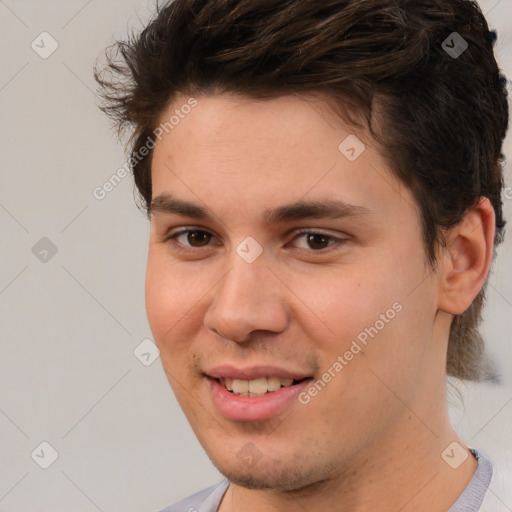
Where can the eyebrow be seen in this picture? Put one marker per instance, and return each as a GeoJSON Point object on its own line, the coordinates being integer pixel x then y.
{"type": "Point", "coordinates": [327, 208]}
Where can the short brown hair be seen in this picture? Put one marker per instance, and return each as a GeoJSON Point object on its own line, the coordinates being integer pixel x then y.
{"type": "Point", "coordinates": [444, 116]}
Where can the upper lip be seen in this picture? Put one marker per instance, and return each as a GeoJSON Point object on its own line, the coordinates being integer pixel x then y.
{"type": "Point", "coordinates": [254, 372]}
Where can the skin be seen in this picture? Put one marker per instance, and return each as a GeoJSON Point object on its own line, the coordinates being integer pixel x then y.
{"type": "Point", "coordinates": [372, 438]}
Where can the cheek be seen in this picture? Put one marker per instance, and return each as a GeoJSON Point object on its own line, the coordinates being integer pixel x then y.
{"type": "Point", "coordinates": [173, 307]}
{"type": "Point", "coordinates": [345, 301]}
{"type": "Point", "coordinates": [173, 297]}
{"type": "Point", "coordinates": [380, 311]}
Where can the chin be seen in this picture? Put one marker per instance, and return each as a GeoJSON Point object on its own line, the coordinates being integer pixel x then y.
{"type": "Point", "coordinates": [273, 475]}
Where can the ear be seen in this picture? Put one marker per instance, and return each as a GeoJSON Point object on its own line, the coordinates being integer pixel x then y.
{"type": "Point", "coordinates": [466, 260]}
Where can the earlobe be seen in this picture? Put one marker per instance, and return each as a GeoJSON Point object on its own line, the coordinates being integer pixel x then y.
{"type": "Point", "coordinates": [466, 259]}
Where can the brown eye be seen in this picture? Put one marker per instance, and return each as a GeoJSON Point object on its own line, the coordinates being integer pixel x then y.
{"type": "Point", "coordinates": [189, 239]}
{"type": "Point", "coordinates": [198, 238]}
{"type": "Point", "coordinates": [317, 241]}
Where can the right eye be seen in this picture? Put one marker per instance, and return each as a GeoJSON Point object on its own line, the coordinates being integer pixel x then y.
{"type": "Point", "coordinates": [187, 240]}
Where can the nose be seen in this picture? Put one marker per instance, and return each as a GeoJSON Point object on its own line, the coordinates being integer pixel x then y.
{"type": "Point", "coordinates": [249, 298]}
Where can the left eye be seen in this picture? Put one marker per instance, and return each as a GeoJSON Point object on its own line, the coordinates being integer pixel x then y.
{"type": "Point", "coordinates": [314, 240]}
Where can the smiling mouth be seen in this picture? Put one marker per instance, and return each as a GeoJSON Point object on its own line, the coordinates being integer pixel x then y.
{"type": "Point", "coordinates": [257, 387]}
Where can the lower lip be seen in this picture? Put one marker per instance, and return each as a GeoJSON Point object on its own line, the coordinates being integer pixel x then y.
{"type": "Point", "coordinates": [254, 408]}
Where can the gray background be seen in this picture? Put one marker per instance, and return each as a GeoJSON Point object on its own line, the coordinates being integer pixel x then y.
{"type": "Point", "coordinates": [70, 324]}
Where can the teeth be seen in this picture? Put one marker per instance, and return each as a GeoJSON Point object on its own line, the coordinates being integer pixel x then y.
{"type": "Point", "coordinates": [255, 387]}
{"type": "Point", "coordinates": [273, 383]}
{"type": "Point", "coordinates": [241, 387]}
{"type": "Point", "coordinates": [258, 386]}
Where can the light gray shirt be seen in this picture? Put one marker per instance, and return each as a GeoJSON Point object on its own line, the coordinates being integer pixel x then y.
{"type": "Point", "coordinates": [208, 500]}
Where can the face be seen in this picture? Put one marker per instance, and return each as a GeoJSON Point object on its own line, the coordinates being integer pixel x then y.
{"type": "Point", "coordinates": [291, 269]}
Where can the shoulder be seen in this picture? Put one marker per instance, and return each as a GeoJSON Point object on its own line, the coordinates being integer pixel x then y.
{"type": "Point", "coordinates": [206, 500]}
{"type": "Point", "coordinates": [472, 498]}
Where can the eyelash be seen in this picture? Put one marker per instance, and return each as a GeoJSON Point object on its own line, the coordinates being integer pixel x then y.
{"type": "Point", "coordinates": [171, 238]}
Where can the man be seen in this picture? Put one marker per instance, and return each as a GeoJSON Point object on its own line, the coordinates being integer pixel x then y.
{"type": "Point", "coordinates": [323, 181]}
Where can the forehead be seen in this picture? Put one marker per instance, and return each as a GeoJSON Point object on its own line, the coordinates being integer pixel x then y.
{"type": "Point", "coordinates": [289, 125]}
{"type": "Point", "coordinates": [233, 150]}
